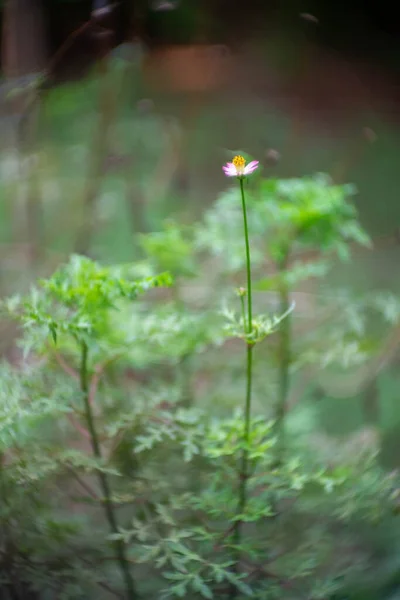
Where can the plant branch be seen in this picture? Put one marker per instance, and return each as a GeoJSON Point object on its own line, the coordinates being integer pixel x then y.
{"type": "Point", "coordinates": [103, 479]}
{"type": "Point", "coordinates": [68, 370]}
{"type": "Point", "coordinates": [83, 484]}
{"type": "Point", "coordinates": [248, 260]}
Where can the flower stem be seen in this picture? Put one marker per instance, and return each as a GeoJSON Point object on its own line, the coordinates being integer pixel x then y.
{"type": "Point", "coordinates": [248, 261]}
{"type": "Point", "coordinates": [118, 544]}
{"type": "Point", "coordinates": [284, 361]}
{"type": "Point", "coordinates": [244, 463]}
{"type": "Point", "coordinates": [244, 470]}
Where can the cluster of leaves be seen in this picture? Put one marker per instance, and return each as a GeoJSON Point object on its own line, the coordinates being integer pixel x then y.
{"type": "Point", "coordinates": [44, 546]}
{"type": "Point", "coordinates": [306, 213]}
{"type": "Point", "coordinates": [78, 301]}
{"type": "Point", "coordinates": [297, 520]}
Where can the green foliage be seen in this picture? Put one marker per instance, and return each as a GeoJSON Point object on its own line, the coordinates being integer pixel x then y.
{"type": "Point", "coordinates": [170, 250]}
{"type": "Point", "coordinates": [263, 326]}
{"type": "Point", "coordinates": [303, 213]}
{"type": "Point", "coordinates": [312, 211]}
{"type": "Point", "coordinates": [78, 301]}
{"type": "Point", "coordinates": [141, 370]}
{"type": "Point", "coordinates": [189, 540]}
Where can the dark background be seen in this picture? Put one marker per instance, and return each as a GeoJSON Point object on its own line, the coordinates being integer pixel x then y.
{"type": "Point", "coordinates": [363, 30]}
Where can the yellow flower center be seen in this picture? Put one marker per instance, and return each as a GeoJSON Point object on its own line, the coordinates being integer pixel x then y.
{"type": "Point", "coordinates": [239, 163]}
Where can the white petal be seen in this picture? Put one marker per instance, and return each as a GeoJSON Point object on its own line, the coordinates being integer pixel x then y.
{"type": "Point", "coordinates": [252, 166]}
{"type": "Point", "coordinates": [230, 170]}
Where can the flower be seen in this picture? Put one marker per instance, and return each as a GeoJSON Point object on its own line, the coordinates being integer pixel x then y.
{"type": "Point", "coordinates": [238, 168]}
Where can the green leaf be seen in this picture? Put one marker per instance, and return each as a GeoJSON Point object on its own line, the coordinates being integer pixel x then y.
{"type": "Point", "coordinates": [205, 590]}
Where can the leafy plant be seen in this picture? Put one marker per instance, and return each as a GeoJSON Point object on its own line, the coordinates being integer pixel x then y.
{"type": "Point", "coordinates": [76, 302]}
{"type": "Point", "coordinates": [115, 413]}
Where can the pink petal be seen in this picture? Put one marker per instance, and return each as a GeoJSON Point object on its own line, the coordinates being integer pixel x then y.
{"type": "Point", "coordinates": [252, 166]}
{"type": "Point", "coordinates": [229, 170]}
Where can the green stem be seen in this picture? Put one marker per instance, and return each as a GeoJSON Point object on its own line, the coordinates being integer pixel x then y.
{"type": "Point", "coordinates": [248, 261]}
{"type": "Point", "coordinates": [284, 361]}
{"type": "Point", "coordinates": [244, 464]}
{"type": "Point", "coordinates": [103, 480]}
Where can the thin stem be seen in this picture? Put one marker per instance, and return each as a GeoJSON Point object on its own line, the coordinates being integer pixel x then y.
{"type": "Point", "coordinates": [248, 261]}
{"type": "Point", "coordinates": [284, 360]}
{"type": "Point", "coordinates": [244, 464]}
{"type": "Point", "coordinates": [103, 479]}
